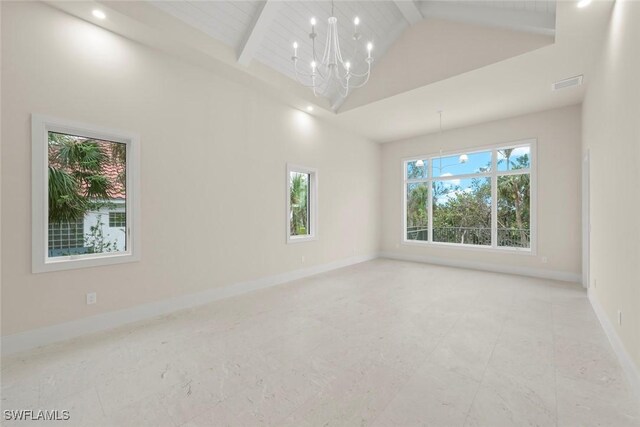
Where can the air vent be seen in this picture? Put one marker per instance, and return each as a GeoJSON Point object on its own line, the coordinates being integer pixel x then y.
{"type": "Point", "coordinates": [570, 82]}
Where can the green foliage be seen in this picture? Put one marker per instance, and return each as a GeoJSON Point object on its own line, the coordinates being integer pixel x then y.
{"type": "Point", "coordinates": [76, 179]}
{"type": "Point", "coordinates": [95, 241]}
{"type": "Point", "coordinates": [299, 202]}
{"type": "Point", "coordinates": [463, 208]}
{"type": "Point", "coordinates": [417, 214]}
{"type": "Point", "coordinates": [66, 204]}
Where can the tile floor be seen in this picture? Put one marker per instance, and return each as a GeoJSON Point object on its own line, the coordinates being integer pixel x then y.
{"type": "Point", "coordinates": [383, 343]}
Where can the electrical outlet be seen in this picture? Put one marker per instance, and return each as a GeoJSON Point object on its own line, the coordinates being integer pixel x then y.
{"type": "Point", "coordinates": [620, 317]}
{"type": "Point", "coordinates": [92, 298]}
{"type": "Point", "coordinates": [544, 259]}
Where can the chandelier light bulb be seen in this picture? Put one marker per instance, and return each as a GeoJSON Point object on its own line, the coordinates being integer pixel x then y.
{"type": "Point", "coordinates": [313, 65]}
{"type": "Point", "coordinates": [356, 21]}
{"type": "Point", "coordinates": [369, 47]}
{"type": "Point", "coordinates": [295, 45]}
{"type": "Point", "coordinates": [313, 22]}
{"type": "Point", "coordinates": [463, 158]}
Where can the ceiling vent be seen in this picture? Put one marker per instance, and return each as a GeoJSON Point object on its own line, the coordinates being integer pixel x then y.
{"type": "Point", "coordinates": [570, 82]}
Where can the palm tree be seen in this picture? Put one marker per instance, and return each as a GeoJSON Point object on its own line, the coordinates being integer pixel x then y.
{"type": "Point", "coordinates": [515, 187]}
{"type": "Point", "coordinates": [76, 179]}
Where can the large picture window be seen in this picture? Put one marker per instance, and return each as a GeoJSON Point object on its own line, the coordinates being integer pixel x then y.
{"type": "Point", "coordinates": [301, 203]}
{"type": "Point", "coordinates": [84, 195]}
{"type": "Point", "coordinates": [479, 199]}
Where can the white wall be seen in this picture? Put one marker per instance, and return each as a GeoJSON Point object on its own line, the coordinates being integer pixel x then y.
{"type": "Point", "coordinates": [213, 170]}
{"type": "Point", "coordinates": [611, 129]}
{"type": "Point", "coordinates": [558, 164]}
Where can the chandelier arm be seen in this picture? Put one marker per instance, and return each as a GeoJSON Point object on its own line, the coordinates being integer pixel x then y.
{"type": "Point", "coordinates": [295, 68]}
{"type": "Point", "coordinates": [346, 90]}
{"type": "Point", "coordinates": [318, 86]}
{"type": "Point", "coordinates": [320, 73]}
{"type": "Point", "coordinates": [360, 75]}
{"type": "Point", "coordinates": [364, 74]}
{"type": "Point", "coordinates": [324, 85]}
{"type": "Point", "coordinates": [302, 82]}
{"type": "Point", "coordinates": [300, 73]}
{"type": "Point", "coordinates": [344, 85]}
{"type": "Point", "coordinates": [361, 84]}
{"type": "Point", "coordinates": [343, 80]}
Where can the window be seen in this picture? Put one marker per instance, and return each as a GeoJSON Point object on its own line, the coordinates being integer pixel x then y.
{"type": "Point", "coordinates": [302, 197]}
{"type": "Point", "coordinates": [66, 238]}
{"type": "Point", "coordinates": [477, 199]}
{"type": "Point", "coordinates": [85, 184]}
{"type": "Point", "coordinates": [117, 219]}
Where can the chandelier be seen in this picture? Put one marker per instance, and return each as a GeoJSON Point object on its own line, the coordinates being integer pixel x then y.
{"type": "Point", "coordinates": [332, 72]}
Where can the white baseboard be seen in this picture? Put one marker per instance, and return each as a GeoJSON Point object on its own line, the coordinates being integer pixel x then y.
{"type": "Point", "coordinates": [564, 276]}
{"type": "Point", "coordinates": [630, 368]}
{"type": "Point", "coordinates": [64, 331]}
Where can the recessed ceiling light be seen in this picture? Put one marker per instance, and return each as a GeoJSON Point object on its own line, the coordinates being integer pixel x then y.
{"type": "Point", "coordinates": [584, 3]}
{"type": "Point", "coordinates": [98, 14]}
{"type": "Point", "coordinates": [310, 108]}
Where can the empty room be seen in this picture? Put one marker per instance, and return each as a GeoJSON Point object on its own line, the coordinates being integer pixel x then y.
{"type": "Point", "coordinates": [320, 213]}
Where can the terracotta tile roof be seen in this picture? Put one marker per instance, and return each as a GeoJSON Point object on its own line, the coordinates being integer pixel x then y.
{"type": "Point", "coordinates": [111, 169]}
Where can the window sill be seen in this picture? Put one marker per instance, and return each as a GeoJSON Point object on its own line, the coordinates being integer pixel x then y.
{"type": "Point", "coordinates": [457, 246]}
{"type": "Point", "coordinates": [83, 261]}
{"type": "Point", "coordinates": [301, 239]}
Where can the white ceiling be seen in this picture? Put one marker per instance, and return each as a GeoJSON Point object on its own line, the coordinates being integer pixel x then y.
{"type": "Point", "coordinates": [382, 22]}
{"type": "Point", "coordinates": [518, 85]}
{"type": "Point", "coordinates": [232, 22]}
{"type": "Point", "coordinates": [502, 72]}
{"type": "Point", "coordinates": [226, 21]}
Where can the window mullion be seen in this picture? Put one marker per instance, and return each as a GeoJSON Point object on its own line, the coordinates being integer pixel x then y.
{"type": "Point", "coordinates": [430, 211]}
{"type": "Point", "coordinates": [494, 199]}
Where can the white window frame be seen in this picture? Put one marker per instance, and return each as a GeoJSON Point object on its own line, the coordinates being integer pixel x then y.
{"type": "Point", "coordinates": [313, 202]}
{"type": "Point", "coordinates": [493, 175]}
{"type": "Point", "coordinates": [41, 262]}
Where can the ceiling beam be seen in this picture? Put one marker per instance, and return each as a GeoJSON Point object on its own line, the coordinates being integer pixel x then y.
{"type": "Point", "coordinates": [258, 30]}
{"type": "Point", "coordinates": [409, 10]}
{"type": "Point", "coordinates": [513, 19]}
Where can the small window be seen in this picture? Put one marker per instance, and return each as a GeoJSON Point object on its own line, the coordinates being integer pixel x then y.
{"type": "Point", "coordinates": [84, 195]}
{"type": "Point", "coordinates": [117, 219]}
{"type": "Point", "coordinates": [301, 203]}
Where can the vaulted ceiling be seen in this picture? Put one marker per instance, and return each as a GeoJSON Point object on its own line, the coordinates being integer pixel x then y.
{"type": "Point", "coordinates": [476, 60]}
{"type": "Point", "coordinates": [264, 31]}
